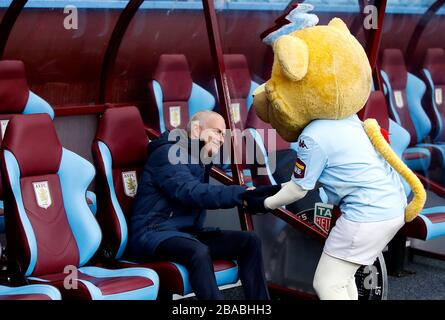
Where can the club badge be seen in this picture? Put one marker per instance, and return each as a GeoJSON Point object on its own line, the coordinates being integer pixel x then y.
{"type": "Point", "coordinates": [235, 112]}
{"type": "Point", "coordinates": [323, 216]}
{"type": "Point", "coordinates": [175, 116]}
{"type": "Point", "coordinates": [3, 124]}
{"type": "Point", "coordinates": [399, 99]}
{"type": "Point", "coordinates": [130, 183]}
{"type": "Point", "coordinates": [300, 169]}
{"type": "Point", "coordinates": [438, 95]}
{"type": "Point", "coordinates": [43, 196]}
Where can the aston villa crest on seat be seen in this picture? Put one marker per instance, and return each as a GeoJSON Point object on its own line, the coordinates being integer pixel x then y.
{"type": "Point", "coordinates": [130, 183]}
{"type": "Point", "coordinates": [42, 194]}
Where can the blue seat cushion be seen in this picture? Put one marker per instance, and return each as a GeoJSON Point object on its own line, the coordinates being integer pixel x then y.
{"type": "Point", "coordinates": [104, 284]}
{"type": "Point", "coordinates": [175, 279]}
{"type": "Point", "coordinates": [224, 273]}
{"type": "Point", "coordinates": [30, 292]}
{"type": "Point", "coordinates": [434, 219]}
{"type": "Point", "coordinates": [437, 151]}
{"type": "Point", "coordinates": [417, 159]}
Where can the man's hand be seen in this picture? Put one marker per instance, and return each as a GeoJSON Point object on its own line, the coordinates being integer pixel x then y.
{"type": "Point", "coordinates": [264, 190]}
{"type": "Point", "coordinates": [254, 199]}
{"type": "Point", "coordinates": [254, 204]}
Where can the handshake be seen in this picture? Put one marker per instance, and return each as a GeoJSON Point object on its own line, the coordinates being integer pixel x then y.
{"type": "Point", "coordinates": [253, 199]}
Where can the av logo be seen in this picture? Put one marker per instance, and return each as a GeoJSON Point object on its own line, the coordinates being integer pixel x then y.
{"type": "Point", "coordinates": [399, 99]}
{"type": "Point", "coordinates": [235, 112]}
{"type": "Point", "coordinates": [438, 95]}
{"type": "Point", "coordinates": [323, 216]}
{"type": "Point", "coordinates": [175, 116]}
{"type": "Point", "coordinates": [3, 124]}
{"type": "Point", "coordinates": [43, 196]}
{"type": "Point", "coordinates": [130, 183]}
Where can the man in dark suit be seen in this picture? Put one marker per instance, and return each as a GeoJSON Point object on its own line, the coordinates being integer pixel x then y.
{"type": "Point", "coordinates": [170, 210]}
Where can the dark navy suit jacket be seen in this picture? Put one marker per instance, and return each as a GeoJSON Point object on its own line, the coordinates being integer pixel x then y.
{"type": "Point", "coordinates": [172, 198]}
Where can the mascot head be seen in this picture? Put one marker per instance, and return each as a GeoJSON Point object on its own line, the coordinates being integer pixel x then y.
{"type": "Point", "coordinates": [319, 72]}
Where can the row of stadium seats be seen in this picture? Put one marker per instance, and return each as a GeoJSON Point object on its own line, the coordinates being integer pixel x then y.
{"type": "Point", "coordinates": [420, 114]}
{"type": "Point", "coordinates": [49, 225]}
{"type": "Point", "coordinates": [431, 222]}
{"type": "Point", "coordinates": [175, 98]}
{"type": "Point", "coordinates": [16, 98]}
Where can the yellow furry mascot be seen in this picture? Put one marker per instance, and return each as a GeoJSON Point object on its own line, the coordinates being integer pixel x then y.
{"type": "Point", "coordinates": [322, 72]}
{"type": "Point", "coordinates": [320, 79]}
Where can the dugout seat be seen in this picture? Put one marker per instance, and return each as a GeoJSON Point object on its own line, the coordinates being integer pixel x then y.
{"type": "Point", "coordinates": [120, 153]}
{"type": "Point", "coordinates": [173, 94]}
{"type": "Point", "coordinates": [431, 221]}
{"type": "Point", "coordinates": [241, 88]}
{"type": "Point", "coordinates": [16, 98]}
{"type": "Point", "coordinates": [405, 92]}
{"type": "Point", "coordinates": [51, 232]}
{"type": "Point", "coordinates": [434, 72]}
{"type": "Point", "coordinates": [30, 292]}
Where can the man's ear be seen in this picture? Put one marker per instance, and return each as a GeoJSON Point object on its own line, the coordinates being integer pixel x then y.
{"type": "Point", "coordinates": [293, 56]}
{"type": "Point", "coordinates": [195, 130]}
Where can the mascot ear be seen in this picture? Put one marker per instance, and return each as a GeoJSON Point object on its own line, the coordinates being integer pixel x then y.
{"type": "Point", "coordinates": [339, 24]}
{"type": "Point", "coordinates": [293, 56]}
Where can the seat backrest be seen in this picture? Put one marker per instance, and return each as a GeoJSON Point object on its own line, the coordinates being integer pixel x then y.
{"type": "Point", "coordinates": [174, 95]}
{"type": "Point", "coordinates": [376, 107]}
{"type": "Point", "coordinates": [434, 71]}
{"type": "Point", "coordinates": [405, 92]}
{"type": "Point", "coordinates": [267, 141]}
{"type": "Point", "coordinates": [48, 222]}
{"type": "Point", "coordinates": [15, 96]}
{"type": "Point", "coordinates": [120, 152]}
{"type": "Point", "coordinates": [277, 144]}
{"type": "Point", "coordinates": [241, 88]}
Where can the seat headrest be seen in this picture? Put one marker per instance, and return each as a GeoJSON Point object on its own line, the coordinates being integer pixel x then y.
{"type": "Point", "coordinates": [435, 64]}
{"type": "Point", "coordinates": [238, 75]}
{"type": "Point", "coordinates": [122, 130]}
{"type": "Point", "coordinates": [393, 64]}
{"type": "Point", "coordinates": [377, 108]}
{"type": "Point", "coordinates": [253, 121]}
{"type": "Point", "coordinates": [173, 75]}
{"type": "Point", "coordinates": [14, 90]}
{"type": "Point", "coordinates": [33, 140]}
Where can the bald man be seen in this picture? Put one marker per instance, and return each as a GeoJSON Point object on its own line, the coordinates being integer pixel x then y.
{"type": "Point", "coordinates": [169, 211]}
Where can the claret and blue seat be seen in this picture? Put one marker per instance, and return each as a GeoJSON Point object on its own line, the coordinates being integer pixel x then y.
{"type": "Point", "coordinates": [430, 223]}
{"type": "Point", "coordinates": [51, 232]}
{"type": "Point", "coordinates": [16, 98]}
{"type": "Point", "coordinates": [120, 156]}
{"type": "Point", "coordinates": [405, 92]}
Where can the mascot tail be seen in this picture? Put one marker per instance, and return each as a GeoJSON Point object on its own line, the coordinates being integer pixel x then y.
{"type": "Point", "coordinates": [372, 129]}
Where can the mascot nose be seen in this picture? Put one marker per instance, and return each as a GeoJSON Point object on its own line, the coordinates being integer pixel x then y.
{"type": "Point", "coordinates": [261, 104]}
{"type": "Point", "coordinates": [260, 89]}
